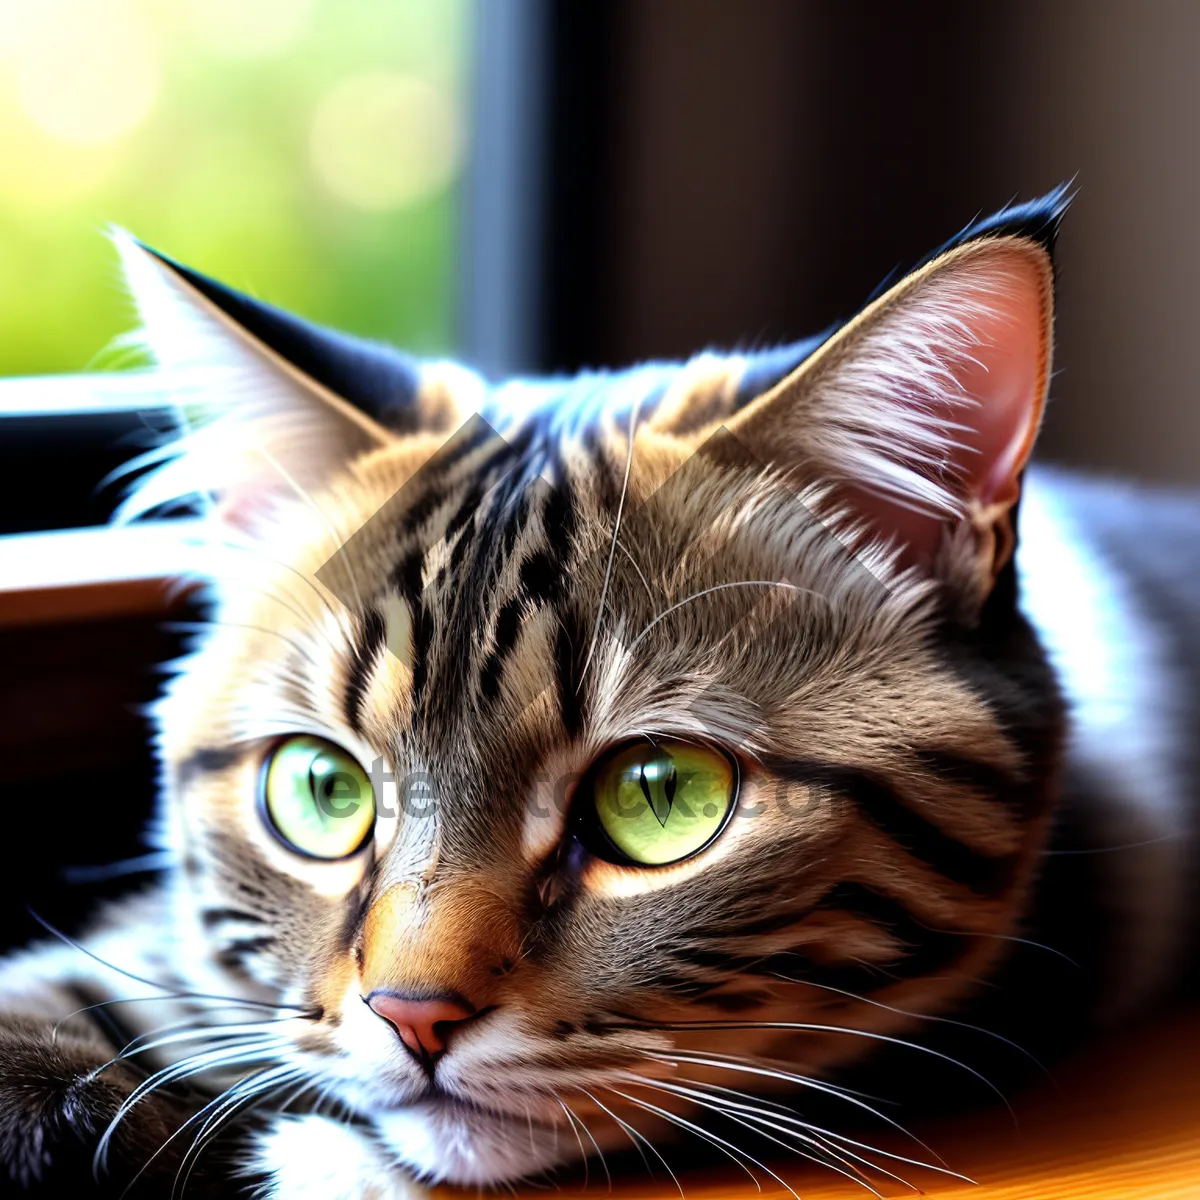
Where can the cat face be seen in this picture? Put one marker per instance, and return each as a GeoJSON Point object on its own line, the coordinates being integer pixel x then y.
{"type": "Point", "coordinates": [554, 742]}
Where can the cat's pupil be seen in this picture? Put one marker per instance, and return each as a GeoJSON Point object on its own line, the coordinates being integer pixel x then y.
{"type": "Point", "coordinates": [321, 779]}
{"type": "Point", "coordinates": [669, 783]}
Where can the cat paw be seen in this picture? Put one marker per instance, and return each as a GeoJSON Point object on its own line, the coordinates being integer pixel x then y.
{"type": "Point", "coordinates": [55, 1104]}
{"type": "Point", "coordinates": [314, 1158]}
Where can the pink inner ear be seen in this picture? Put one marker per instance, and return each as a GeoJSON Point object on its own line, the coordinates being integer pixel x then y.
{"type": "Point", "coordinates": [1004, 302]}
{"type": "Point", "coordinates": [1007, 380]}
{"type": "Point", "coordinates": [244, 506]}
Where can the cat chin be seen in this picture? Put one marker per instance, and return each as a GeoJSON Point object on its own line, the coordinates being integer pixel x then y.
{"type": "Point", "coordinates": [448, 1143]}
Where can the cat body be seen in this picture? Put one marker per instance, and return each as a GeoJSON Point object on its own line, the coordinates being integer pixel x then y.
{"type": "Point", "coordinates": [564, 754]}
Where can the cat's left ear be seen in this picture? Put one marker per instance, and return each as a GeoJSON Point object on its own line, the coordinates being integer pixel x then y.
{"type": "Point", "coordinates": [270, 404]}
{"type": "Point", "coordinates": [923, 410]}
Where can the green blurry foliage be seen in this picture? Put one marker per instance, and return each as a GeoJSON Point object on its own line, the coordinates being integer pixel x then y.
{"type": "Point", "coordinates": [306, 151]}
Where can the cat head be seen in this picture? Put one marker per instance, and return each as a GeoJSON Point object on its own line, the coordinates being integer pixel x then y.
{"type": "Point", "coordinates": [554, 740]}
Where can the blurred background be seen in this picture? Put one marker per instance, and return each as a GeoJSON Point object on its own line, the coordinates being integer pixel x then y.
{"type": "Point", "coordinates": [537, 184]}
{"type": "Point", "coordinates": [532, 185]}
{"type": "Point", "coordinates": [307, 150]}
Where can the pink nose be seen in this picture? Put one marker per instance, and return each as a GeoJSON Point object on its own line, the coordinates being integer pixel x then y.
{"type": "Point", "coordinates": [421, 1024]}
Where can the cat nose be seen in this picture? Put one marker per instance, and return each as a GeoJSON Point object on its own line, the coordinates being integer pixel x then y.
{"type": "Point", "coordinates": [423, 1024]}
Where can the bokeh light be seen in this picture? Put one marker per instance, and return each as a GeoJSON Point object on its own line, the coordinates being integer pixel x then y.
{"type": "Point", "coordinates": [86, 73]}
{"type": "Point", "coordinates": [249, 28]}
{"type": "Point", "coordinates": [305, 150]}
{"type": "Point", "coordinates": [382, 140]}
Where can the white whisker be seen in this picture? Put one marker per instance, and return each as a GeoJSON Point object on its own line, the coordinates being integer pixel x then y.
{"type": "Point", "coordinates": [207, 1060]}
{"type": "Point", "coordinates": [612, 550]}
{"type": "Point", "coordinates": [583, 1155]}
{"type": "Point", "coordinates": [638, 1141]}
{"type": "Point", "coordinates": [821, 1154]}
{"type": "Point", "coordinates": [720, 587]}
{"type": "Point", "coordinates": [821, 1131]}
{"type": "Point", "coordinates": [802, 1080]}
{"type": "Point", "coordinates": [591, 1138]}
{"type": "Point", "coordinates": [727, 1148]}
{"type": "Point", "coordinates": [904, 1012]}
{"type": "Point", "coordinates": [846, 1031]}
{"type": "Point", "coordinates": [645, 583]}
{"type": "Point", "coordinates": [187, 1032]}
{"type": "Point", "coordinates": [235, 1099]}
{"type": "Point", "coordinates": [172, 992]}
{"type": "Point", "coordinates": [215, 1003]}
{"type": "Point", "coordinates": [809, 1131]}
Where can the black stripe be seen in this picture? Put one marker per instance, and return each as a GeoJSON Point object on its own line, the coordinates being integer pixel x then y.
{"type": "Point", "coordinates": [489, 677]}
{"type": "Point", "coordinates": [541, 577]}
{"type": "Point", "coordinates": [434, 479]}
{"type": "Point", "coordinates": [766, 925]}
{"type": "Point", "coordinates": [407, 579]}
{"type": "Point", "coordinates": [372, 636]}
{"type": "Point", "coordinates": [928, 950]}
{"type": "Point", "coordinates": [885, 807]}
{"type": "Point", "coordinates": [496, 466]}
{"type": "Point", "coordinates": [423, 507]}
{"type": "Point", "coordinates": [712, 960]}
{"type": "Point", "coordinates": [465, 511]}
{"type": "Point", "coordinates": [210, 918]}
{"type": "Point", "coordinates": [678, 984]}
{"type": "Point", "coordinates": [234, 954]}
{"type": "Point", "coordinates": [474, 433]}
{"type": "Point", "coordinates": [921, 951]}
{"type": "Point", "coordinates": [981, 777]}
{"type": "Point", "coordinates": [514, 526]}
{"type": "Point", "coordinates": [206, 760]}
{"type": "Point", "coordinates": [565, 672]}
{"type": "Point", "coordinates": [508, 625]}
{"type": "Point", "coordinates": [558, 522]}
{"type": "Point", "coordinates": [459, 553]}
{"type": "Point", "coordinates": [540, 582]}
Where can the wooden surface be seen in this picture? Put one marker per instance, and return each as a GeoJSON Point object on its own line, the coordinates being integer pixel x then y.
{"type": "Point", "coordinates": [1120, 1123]}
{"type": "Point", "coordinates": [101, 573]}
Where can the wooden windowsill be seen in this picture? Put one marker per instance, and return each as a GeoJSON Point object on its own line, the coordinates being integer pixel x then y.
{"type": "Point", "coordinates": [98, 573]}
{"type": "Point", "coordinates": [97, 392]}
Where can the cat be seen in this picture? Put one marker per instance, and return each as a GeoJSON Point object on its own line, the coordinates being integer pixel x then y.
{"type": "Point", "coordinates": [572, 762]}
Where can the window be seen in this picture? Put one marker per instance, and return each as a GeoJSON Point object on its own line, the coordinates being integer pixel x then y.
{"type": "Point", "coordinates": [309, 151]}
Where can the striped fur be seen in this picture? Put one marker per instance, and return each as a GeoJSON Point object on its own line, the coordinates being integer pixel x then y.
{"type": "Point", "coordinates": [477, 591]}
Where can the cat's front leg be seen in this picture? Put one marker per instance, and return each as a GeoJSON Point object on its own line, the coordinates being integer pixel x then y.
{"type": "Point", "coordinates": [65, 1019]}
{"type": "Point", "coordinates": [59, 1092]}
{"type": "Point", "coordinates": [315, 1158]}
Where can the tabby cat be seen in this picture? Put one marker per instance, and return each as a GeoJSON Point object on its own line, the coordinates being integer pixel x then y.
{"type": "Point", "coordinates": [622, 758]}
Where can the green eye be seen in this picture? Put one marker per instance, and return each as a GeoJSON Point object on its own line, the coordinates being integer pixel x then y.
{"type": "Point", "coordinates": [317, 798]}
{"type": "Point", "coordinates": [659, 803]}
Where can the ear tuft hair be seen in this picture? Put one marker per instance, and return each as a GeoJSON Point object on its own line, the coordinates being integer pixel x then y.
{"type": "Point", "coordinates": [923, 409]}
{"type": "Point", "coordinates": [253, 424]}
{"type": "Point", "coordinates": [1036, 220]}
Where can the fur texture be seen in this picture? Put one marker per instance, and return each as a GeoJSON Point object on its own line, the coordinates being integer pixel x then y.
{"type": "Point", "coordinates": [805, 561]}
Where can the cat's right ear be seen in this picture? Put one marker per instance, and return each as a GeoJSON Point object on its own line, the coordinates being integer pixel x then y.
{"type": "Point", "coordinates": [921, 413]}
{"type": "Point", "coordinates": [270, 405]}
